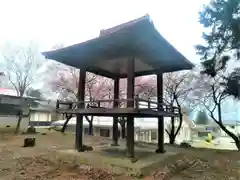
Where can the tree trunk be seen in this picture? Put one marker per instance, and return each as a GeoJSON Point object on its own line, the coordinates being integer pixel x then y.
{"type": "Point", "coordinates": [90, 128]}
{"type": "Point", "coordinates": [171, 139]}
{"type": "Point", "coordinates": [238, 144]}
{"type": "Point", "coordinates": [17, 130]}
{"type": "Point", "coordinates": [123, 127]}
{"type": "Point", "coordinates": [219, 122]}
{"type": "Point", "coordinates": [65, 123]}
{"type": "Point", "coordinates": [123, 131]}
{"type": "Point", "coordinates": [180, 124]}
{"type": "Point", "coordinates": [172, 135]}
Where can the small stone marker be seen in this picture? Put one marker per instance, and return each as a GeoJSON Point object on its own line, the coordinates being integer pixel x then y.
{"type": "Point", "coordinates": [29, 142]}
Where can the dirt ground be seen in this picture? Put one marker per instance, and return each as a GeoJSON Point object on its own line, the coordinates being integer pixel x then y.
{"type": "Point", "coordinates": [42, 163]}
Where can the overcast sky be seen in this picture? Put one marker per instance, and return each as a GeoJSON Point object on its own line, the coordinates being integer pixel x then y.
{"type": "Point", "coordinates": [50, 22]}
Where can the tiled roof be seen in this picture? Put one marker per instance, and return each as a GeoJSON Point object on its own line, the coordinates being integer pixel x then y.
{"type": "Point", "coordinates": [123, 25]}
{"type": "Point", "coordinates": [10, 92]}
{"type": "Point", "coordinates": [138, 36]}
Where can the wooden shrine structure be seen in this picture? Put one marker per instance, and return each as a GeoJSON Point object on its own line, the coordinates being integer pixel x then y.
{"type": "Point", "coordinates": [128, 50]}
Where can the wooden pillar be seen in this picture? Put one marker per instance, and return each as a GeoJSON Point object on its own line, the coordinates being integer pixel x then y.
{"type": "Point", "coordinates": [115, 118]}
{"type": "Point", "coordinates": [79, 123]}
{"type": "Point", "coordinates": [160, 148]}
{"type": "Point", "coordinates": [130, 104]}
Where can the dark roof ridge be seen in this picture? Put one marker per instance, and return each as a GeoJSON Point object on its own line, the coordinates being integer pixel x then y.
{"type": "Point", "coordinates": [124, 25]}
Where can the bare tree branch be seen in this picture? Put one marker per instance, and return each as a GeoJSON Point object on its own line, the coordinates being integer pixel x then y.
{"type": "Point", "coordinates": [22, 66]}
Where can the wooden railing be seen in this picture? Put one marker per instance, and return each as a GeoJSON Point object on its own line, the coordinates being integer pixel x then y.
{"type": "Point", "coordinates": [138, 103]}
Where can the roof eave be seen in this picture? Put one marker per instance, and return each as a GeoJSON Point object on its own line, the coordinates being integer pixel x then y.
{"type": "Point", "coordinates": [57, 55]}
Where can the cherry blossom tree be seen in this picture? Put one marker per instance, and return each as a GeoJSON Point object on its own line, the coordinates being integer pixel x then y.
{"type": "Point", "coordinates": [145, 88]}
{"type": "Point", "coordinates": [64, 81]}
{"type": "Point", "coordinates": [178, 87]}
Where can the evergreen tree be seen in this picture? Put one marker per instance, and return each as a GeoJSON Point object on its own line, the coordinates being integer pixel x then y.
{"type": "Point", "coordinates": [34, 93]}
{"type": "Point", "coordinates": [202, 117]}
{"type": "Point", "coordinates": [222, 43]}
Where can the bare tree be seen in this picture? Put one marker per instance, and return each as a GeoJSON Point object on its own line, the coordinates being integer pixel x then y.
{"type": "Point", "coordinates": [177, 89]}
{"type": "Point", "coordinates": [212, 95]}
{"type": "Point", "coordinates": [34, 93]}
{"type": "Point", "coordinates": [22, 65]}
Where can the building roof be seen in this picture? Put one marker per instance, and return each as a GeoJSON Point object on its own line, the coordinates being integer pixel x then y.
{"type": "Point", "coordinates": [16, 100]}
{"type": "Point", "coordinates": [108, 54]}
{"type": "Point", "coordinates": [44, 106]}
{"type": "Point", "coordinates": [10, 92]}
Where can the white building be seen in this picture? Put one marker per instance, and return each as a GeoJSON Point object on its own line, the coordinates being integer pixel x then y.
{"type": "Point", "coordinates": [145, 128]}
{"type": "Point", "coordinates": [35, 113]}
{"type": "Point", "coordinates": [9, 113]}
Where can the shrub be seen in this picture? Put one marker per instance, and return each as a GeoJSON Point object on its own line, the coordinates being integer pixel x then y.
{"type": "Point", "coordinates": [185, 145]}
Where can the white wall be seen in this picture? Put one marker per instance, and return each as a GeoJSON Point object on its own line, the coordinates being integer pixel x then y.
{"type": "Point", "coordinates": [238, 129]}
{"type": "Point", "coordinates": [235, 129]}
{"type": "Point", "coordinates": [40, 116]}
{"type": "Point", "coordinates": [12, 122]}
{"type": "Point", "coordinates": [146, 135]}
{"type": "Point", "coordinates": [148, 127]}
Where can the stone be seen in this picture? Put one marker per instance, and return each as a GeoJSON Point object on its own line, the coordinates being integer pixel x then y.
{"type": "Point", "coordinates": [29, 142]}
{"type": "Point", "coordinates": [160, 151]}
{"type": "Point", "coordinates": [185, 145]}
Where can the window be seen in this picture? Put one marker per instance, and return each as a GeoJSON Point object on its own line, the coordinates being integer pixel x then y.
{"type": "Point", "coordinates": [104, 132]}
{"type": "Point", "coordinates": [202, 134]}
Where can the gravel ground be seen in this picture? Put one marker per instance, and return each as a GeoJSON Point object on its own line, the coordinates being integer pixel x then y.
{"type": "Point", "coordinates": [42, 163]}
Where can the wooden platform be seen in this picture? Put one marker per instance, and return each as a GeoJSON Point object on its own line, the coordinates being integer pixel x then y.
{"type": "Point", "coordinates": [136, 112]}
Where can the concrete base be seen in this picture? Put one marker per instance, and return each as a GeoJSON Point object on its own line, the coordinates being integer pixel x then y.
{"type": "Point", "coordinates": [113, 144]}
{"type": "Point", "coordinates": [160, 151]}
{"type": "Point", "coordinates": [114, 159]}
